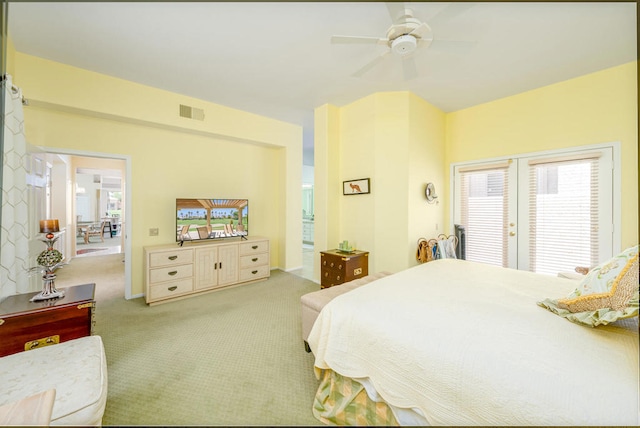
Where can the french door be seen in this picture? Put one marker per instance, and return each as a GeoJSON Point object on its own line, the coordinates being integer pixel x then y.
{"type": "Point", "coordinates": [545, 213]}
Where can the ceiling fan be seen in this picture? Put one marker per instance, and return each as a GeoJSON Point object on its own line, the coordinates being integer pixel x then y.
{"type": "Point", "coordinates": [404, 37]}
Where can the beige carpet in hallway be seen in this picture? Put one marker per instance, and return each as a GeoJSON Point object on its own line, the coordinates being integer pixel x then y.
{"type": "Point", "coordinates": [107, 272]}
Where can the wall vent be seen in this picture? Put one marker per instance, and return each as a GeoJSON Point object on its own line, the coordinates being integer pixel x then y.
{"type": "Point", "coordinates": [191, 112]}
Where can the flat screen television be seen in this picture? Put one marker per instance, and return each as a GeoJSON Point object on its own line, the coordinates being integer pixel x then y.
{"type": "Point", "coordinates": [200, 219]}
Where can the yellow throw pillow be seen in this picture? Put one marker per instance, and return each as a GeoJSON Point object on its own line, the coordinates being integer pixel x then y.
{"type": "Point", "coordinates": [608, 292]}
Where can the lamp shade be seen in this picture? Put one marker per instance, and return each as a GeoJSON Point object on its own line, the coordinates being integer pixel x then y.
{"type": "Point", "coordinates": [49, 226]}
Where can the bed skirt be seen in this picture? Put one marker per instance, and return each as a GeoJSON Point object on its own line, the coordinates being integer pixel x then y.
{"type": "Point", "coordinates": [343, 401]}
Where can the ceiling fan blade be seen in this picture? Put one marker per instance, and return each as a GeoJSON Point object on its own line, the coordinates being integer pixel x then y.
{"type": "Point", "coordinates": [359, 40]}
{"type": "Point", "coordinates": [449, 12]}
{"type": "Point", "coordinates": [409, 69]}
{"type": "Point", "coordinates": [396, 10]}
{"type": "Point", "coordinates": [377, 60]}
{"type": "Point", "coordinates": [420, 31]}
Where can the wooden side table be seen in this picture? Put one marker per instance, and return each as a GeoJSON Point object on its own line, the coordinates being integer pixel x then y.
{"type": "Point", "coordinates": [338, 267]}
{"type": "Point", "coordinates": [26, 325]}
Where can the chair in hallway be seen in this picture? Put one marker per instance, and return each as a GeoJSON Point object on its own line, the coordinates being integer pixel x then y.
{"type": "Point", "coordinates": [94, 230]}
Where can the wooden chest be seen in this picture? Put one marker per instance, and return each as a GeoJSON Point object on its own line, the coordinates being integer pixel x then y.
{"type": "Point", "coordinates": [337, 267]}
{"type": "Point", "coordinates": [26, 325]}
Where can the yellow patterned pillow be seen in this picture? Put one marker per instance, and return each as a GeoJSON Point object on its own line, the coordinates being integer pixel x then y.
{"type": "Point", "coordinates": [607, 293]}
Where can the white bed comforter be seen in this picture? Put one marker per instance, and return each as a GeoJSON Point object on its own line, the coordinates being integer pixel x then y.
{"type": "Point", "coordinates": [466, 344]}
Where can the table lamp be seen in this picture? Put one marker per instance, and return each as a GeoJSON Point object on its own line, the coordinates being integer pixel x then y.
{"type": "Point", "coordinates": [49, 260]}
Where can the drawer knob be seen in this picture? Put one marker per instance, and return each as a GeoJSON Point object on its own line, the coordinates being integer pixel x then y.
{"type": "Point", "coordinates": [173, 272]}
{"type": "Point", "coordinates": [173, 257]}
{"type": "Point", "coordinates": [255, 247]}
{"type": "Point", "coordinates": [255, 259]}
{"type": "Point", "coordinates": [339, 266]}
{"type": "Point", "coordinates": [173, 288]}
{"type": "Point", "coordinates": [331, 264]}
{"type": "Point", "coordinates": [338, 279]}
{"type": "Point", "coordinates": [326, 274]}
{"type": "Point", "coordinates": [324, 263]}
{"type": "Point", "coordinates": [254, 272]}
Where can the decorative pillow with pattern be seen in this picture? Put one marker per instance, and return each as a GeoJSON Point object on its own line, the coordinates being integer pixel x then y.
{"type": "Point", "coordinates": [607, 293]}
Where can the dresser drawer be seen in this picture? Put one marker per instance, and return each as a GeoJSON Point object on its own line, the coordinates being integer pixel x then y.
{"type": "Point", "coordinates": [255, 247]}
{"type": "Point", "coordinates": [170, 289]}
{"type": "Point", "coordinates": [169, 258]}
{"type": "Point", "coordinates": [170, 273]}
{"type": "Point", "coordinates": [247, 274]}
{"type": "Point", "coordinates": [254, 260]}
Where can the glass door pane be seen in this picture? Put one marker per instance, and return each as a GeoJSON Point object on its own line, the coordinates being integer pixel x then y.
{"type": "Point", "coordinates": [484, 205]}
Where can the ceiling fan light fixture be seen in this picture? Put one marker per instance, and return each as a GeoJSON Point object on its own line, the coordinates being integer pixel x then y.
{"type": "Point", "coordinates": [404, 45]}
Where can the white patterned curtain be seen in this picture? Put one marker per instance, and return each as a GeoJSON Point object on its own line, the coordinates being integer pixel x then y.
{"type": "Point", "coordinates": [14, 253]}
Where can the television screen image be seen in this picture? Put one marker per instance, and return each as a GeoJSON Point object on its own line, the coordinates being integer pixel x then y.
{"type": "Point", "coordinates": [198, 219]}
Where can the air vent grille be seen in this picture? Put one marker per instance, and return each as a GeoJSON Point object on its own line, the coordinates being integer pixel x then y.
{"type": "Point", "coordinates": [191, 112]}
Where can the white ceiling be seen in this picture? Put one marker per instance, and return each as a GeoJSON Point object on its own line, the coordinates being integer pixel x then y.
{"type": "Point", "coordinates": [277, 60]}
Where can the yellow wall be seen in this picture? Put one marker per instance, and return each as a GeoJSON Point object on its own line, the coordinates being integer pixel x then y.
{"type": "Point", "coordinates": [426, 164]}
{"type": "Point", "coordinates": [596, 108]}
{"type": "Point", "coordinates": [402, 142]}
{"type": "Point", "coordinates": [231, 154]}
{"type": "Point", "coordinates": [326, 192]}
{"type": "Point", "coordinates": [395, 139]}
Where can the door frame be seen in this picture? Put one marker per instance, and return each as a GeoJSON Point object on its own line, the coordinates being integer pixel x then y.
{"type": "Point", "coordinates": [127, 201]}
{"type": "Point", "coordinates": [616, 181]}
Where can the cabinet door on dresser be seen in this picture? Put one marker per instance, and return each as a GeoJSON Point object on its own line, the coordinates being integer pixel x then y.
{"type": "Point", "coordinates": [216, 266]}
{"type": "Point", "coordinates": [227, 264]}
{"type": "Point", "coordinates": [206, 263]}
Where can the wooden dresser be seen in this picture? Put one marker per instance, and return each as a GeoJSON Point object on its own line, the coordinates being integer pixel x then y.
{"type": "Point", "coordinates": [338, 267]}
{"type": "Point", "coordinates": [26, 325]}
{"type": "Point", "coordinates": [173, 272]}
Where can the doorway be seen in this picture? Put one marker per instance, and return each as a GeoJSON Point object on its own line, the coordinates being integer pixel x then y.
{"type": "Point", "coordinates": [108, 196]}
{"type": "Point", "coordinates": [545, 212]}
{"type": "Point", "coordinates": [99, 206]}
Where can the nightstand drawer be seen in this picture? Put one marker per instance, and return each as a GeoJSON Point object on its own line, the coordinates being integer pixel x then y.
{"type": "Point", "coordinates": [337, 267]}
{"type": "Point", "coordinates": [170, 273]}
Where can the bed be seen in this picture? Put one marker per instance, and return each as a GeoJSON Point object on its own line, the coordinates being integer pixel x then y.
{"type": "Point", "coordinates": [453, 342]}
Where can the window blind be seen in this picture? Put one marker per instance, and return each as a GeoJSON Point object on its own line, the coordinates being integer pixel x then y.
{"type": "Point", "coordinates": [484, 213]}
{"type": "Point", "coordinates": [563, 214]}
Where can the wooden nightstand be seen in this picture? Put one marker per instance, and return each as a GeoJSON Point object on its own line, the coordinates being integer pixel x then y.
{"type": "Point", "coordinates": [26, 325]}
{"type": "Point", "coordinates": [337, 267]}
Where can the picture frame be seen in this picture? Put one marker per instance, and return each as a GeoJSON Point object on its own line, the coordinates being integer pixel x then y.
{"type": "Point", "coordinates": [360, 186]}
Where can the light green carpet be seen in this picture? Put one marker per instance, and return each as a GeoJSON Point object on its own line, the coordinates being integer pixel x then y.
{"type": "Point", "coordinates": [232, 357]}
